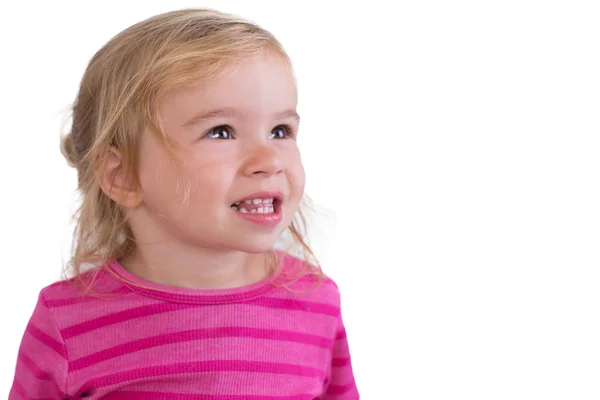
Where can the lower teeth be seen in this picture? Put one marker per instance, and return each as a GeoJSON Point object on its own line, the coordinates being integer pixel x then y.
{"type": "Point", "coordinates": [261, 210]}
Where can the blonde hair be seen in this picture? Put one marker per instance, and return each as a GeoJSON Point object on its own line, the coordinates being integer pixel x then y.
{"type": "Point", "coordinates": [118, 99]}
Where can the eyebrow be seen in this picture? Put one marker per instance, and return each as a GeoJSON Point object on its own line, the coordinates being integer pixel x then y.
{"type": "Point", "coordinates": [231, 112]}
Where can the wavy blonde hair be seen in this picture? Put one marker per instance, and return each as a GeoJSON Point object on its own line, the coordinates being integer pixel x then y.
{"type": "Point", "coordinates": [117, 101]}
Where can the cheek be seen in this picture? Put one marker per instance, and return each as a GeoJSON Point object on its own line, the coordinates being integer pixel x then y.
{"type": "Point", "coordinates": [166, 183]}
{"type": "Point", "coordinates": [296, 176]}
{"type": "Point", "coordinates": [301, 180]}
{"type": "Point", "coordinates": [210, 175]}
{"type": "Point", "coordinates": [157, 174]}
{"type": "Point", "coordinates": [162, 185]}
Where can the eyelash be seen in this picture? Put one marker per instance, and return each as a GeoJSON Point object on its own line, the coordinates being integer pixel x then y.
{"type": "Point", "coordinates": [289, 133]}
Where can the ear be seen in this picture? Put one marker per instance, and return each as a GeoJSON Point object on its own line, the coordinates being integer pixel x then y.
{"type": "Point", "coordinates": [117, 183]}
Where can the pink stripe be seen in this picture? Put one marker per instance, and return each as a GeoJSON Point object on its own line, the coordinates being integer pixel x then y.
{"type": "Point", "coordinates": [341, 389]}
{"type": "Point", "coordinates": [198, 334]}
{"type": "Point", "coordinates": [33, 368]}
{"type": "Point", "coordinates": [341, 335]}
{"type": "Point", "coordinates": [47, 340]}
{"type": "Point", "coordinates": [340, 362]}
{"type": "Point", "coordinates": [288, 304]}
{"type": "Point", "coordinates": [111, 319]}
{"type": "Point", "coordinates": [85, 298]}
{"type": "Point", "coordinates": [184, 396]}
{"type": "Point", "coordinates": [205, 366]}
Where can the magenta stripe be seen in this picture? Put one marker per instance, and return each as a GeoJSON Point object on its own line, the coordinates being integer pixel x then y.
{"type": "Point", "coordinates": [122, 316]}
{"type": "Point", "coordinates": [340, 362]}
{"type": "Point", "coordinates": [288, 304]}
{"type": "Point", "coordinates": [215, 299]}
{"type": "Point", "coordinates": [341, 335]}
{"type": "Point", "coordinates": [186, 396]}
{"type": "Point", "coordinates": [198, 334]}
{"type": "Point", "coordinates": [33, 368]}
{"type": "Point", "coordinates": [85, 298]}
{"type": "Point", "coordinates": [47, 340]}
{"type": "Point", "coordinates": [17, 388]}
{"type": "Point", "coordinates": [37, 372]}
{"type": "Point", "coordinates": [246, 367]}
{"type": "Point", "coordinates": [154, 309]}
{"type": "Point", "coordinates": [341, 389]}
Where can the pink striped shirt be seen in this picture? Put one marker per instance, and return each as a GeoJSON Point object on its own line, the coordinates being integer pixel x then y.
{"type": "Point", "coordinates": [132, 339]}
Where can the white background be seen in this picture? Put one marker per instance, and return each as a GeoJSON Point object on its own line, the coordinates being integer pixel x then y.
{"type": "Point", "coordinates": [454, 147]}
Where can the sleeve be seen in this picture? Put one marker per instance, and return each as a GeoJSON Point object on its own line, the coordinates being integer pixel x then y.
{"type": "Point", "coordinates": [41, 370]}
{"type": "Point", "coordinates": [341, 384]}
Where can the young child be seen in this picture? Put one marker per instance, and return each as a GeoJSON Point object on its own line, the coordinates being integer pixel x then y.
{"type": "Point", "coordinates": [184, 139]}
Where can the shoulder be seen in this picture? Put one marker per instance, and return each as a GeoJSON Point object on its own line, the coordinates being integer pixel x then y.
{"type": "Point", "coordinates": [93, 283]}
{"type": "Point", "coordinates": [308, 281]}
{"type": "Point", "coordinates": [70, 301]}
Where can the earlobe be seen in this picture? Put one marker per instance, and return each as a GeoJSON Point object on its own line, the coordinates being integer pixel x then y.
{"type": "Point", "coordinates": [116, 183]}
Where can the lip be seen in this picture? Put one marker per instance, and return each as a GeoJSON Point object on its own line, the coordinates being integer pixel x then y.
{"type": "Point", "coordinates": [267, 220]}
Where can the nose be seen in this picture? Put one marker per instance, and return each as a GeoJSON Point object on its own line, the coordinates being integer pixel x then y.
{"type": "Point", "coordinates": [263, 159]}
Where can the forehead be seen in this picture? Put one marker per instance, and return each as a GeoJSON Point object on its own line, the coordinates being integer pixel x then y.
{"type": "Point", "coordinates": [255, 86]}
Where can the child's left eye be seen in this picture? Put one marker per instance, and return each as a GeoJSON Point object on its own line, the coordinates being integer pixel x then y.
{"type": "Point", "coordinates": [281, 132]}
{"type": "Point", "coordinates": [219, 132]}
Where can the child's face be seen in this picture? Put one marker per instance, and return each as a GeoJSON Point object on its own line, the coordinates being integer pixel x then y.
{"type": "Point", "coordinates": [233, 132]}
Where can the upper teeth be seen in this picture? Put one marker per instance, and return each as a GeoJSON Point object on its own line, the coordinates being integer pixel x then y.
{"type": "Point", "coordinates": [257, 201]}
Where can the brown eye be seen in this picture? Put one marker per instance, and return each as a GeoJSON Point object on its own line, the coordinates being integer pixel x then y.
{"type": "Point", "coordinates": [219, 132]}
{"type": "Point", "coordinates": [280, 132]}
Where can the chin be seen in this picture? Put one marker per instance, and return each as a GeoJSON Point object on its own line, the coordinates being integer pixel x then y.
{"type": "Point", "coordinates": [256, 248]}
{"type": "Point", "coordinates": [255, 245]}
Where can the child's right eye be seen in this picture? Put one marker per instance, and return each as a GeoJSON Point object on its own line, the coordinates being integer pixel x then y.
{"type": "Point", "coordinates": [219, 132]}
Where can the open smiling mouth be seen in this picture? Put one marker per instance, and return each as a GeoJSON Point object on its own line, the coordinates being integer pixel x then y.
{"type": "Point", "coordinates": [263, 209]}
{"type": "Point", "coordinates": [267, 205]}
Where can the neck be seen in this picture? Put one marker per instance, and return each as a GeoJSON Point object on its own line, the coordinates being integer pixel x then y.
{"type": "Point", "coordinates": [197, 268]}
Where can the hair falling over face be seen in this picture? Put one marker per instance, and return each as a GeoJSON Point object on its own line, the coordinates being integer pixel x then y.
{"type": "Point", "coordinates": [117, 100]}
